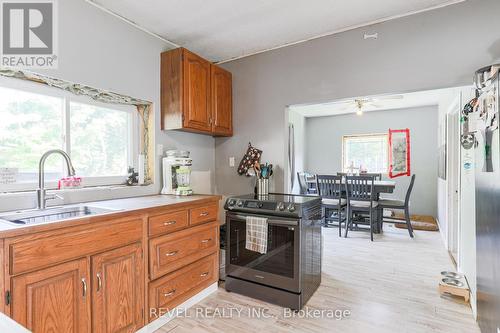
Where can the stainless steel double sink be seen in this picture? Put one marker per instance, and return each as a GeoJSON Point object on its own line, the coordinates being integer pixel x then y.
{"type": "Point", "coordinates": [52, 214]}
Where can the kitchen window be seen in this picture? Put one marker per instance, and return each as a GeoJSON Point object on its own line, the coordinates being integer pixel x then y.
{"type": "Point", "coordinates": [101, 139]}
{"type": "Point", "coordinates": [367, 152]}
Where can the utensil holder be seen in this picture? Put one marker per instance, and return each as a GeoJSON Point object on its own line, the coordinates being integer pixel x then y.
{"type": "Point", "coordinates": [262, 186]}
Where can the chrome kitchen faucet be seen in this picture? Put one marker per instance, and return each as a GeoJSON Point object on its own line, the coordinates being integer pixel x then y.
{"type": "Point", "coordinates": [41, 194]}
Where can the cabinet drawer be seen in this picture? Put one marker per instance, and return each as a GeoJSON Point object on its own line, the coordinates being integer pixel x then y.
{"type": "Point", "coordinates": [173, 289]}
{"type": "Point", "coordinates": [31, 254]}
{"type": "Point", "coordinates": [203, 214]}
{"type": "Point", "coordinates": [172, 251]}
{"type": "Point", "coordinates": [165, 223]}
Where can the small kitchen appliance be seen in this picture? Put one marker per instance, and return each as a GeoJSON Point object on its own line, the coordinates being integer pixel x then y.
{"type": "Point", "coordinates": [177, 173]}
{"type": "Point", "coordinates": [289, 272]}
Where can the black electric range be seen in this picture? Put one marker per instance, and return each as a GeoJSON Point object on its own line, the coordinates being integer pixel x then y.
{"type": "Point", "coordinates": [290, 270]}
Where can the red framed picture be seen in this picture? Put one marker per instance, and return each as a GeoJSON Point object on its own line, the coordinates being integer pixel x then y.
{"type": "Point", "coordinates": [399, 153]}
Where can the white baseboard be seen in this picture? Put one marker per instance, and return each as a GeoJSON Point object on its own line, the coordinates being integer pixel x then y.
{"type": "Point", "coordinates": [444, 237]}
{"type": "Point", "coordinates": [156, 324]}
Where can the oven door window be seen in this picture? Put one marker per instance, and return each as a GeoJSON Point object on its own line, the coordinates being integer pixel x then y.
{"type": "Point", "coordinates": [280, 257]}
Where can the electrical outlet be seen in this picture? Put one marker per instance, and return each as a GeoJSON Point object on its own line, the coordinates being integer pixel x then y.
{"type": "Point", "coordinates": [231, 161]}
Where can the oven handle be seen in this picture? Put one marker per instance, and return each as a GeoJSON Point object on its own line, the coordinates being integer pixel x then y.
{"type": "Point", "coordinates": [269, 221]}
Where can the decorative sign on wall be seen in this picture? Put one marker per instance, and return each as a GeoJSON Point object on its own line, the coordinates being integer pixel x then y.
{"type": "Point", "coordinates": [8, 175]}
{"type": "Point", "coordinates": [399, 153]}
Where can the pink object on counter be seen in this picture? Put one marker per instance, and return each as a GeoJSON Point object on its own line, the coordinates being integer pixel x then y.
{"type": "Point", "coordinates": [70, 182]}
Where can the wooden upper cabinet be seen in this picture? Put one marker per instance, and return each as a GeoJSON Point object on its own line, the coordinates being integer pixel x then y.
{"type": "Point", "coordinates": [117, 290]}
{"type": "Point", "coordinates": [195, 94]}
{"type": "Point", "coordinates": [197, 113]}
{"type": "Point", "coordinates": [55, 299]}
{"type": "Point", "coordinates": [222, 102]}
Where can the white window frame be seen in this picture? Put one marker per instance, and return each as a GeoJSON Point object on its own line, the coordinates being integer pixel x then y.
{"type": "Point", "coordinates": [344, 153]}
{"type": "Point", "coordinates": [67, 97]}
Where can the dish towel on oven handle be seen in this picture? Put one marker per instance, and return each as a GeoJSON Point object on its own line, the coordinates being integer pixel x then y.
{"type": "Point", "coordinates": [256, 236]}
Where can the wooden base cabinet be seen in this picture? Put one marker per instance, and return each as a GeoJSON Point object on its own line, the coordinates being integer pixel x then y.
{"type": "Point", "coordinates": [171, 290]}
{"type": "Point", "coordinates": [98, 274]}
{"type": "Point", "coordinates": [117, 290]}
{"type": "Point", "coordinates": [59, 299]}
{"type": "Point", "coordinates": [56, 299]}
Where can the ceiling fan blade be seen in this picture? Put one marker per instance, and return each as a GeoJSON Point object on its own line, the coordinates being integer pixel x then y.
{"type": "Point", "coordinates": [345, 102]}
{"type": "Point", "coordinates": [374, 105]}
{"type": "Point", "coordinates": [347, 108]}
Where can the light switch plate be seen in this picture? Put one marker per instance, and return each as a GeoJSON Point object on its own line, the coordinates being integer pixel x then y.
{"type": "Point", "coordinates": [231, 161]}
{"type": "Point", "coordinates": [159, 149]}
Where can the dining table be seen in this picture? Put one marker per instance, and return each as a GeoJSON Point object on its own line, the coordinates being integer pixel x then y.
{"type": "Point", "coordinates": [379, 186]}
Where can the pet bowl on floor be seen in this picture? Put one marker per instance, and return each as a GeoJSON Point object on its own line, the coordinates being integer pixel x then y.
{"type": "Point", "coordinates": [453, 282]}
{"type": "Point", "coordinates": [452, 275]}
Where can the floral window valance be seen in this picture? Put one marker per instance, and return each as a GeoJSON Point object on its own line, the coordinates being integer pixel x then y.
{"type": "Point", "coordinates": [144, 108]}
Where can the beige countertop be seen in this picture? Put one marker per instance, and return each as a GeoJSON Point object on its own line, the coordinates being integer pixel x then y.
{"type": "Point", "coordinates": [117, 207]}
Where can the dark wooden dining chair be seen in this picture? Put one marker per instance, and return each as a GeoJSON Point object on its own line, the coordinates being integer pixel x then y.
{"type": "Point", "coordinates": [307, 183]}
{"type": "Point", "coordinates": [302, 182]}
{"type": "Point", "coordinates": [399, 205]}
{"type": "Point", "coordinates": [330, 190]}
{"type": "Point", "coordinates": [360, 198]}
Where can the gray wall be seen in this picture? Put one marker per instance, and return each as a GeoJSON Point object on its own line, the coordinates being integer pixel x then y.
{"type": "Point", "coordinates": [436, 49]}
{"type": "Point", "coordinates": [102, 51]}
{"type": "Point", "coordinates": [324, 148]}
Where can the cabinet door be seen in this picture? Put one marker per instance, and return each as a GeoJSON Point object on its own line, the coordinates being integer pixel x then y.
{"type": "Point", "coordinates": [222, 104]}
{"type": "Point", "coordinates": [55, 299]}
{"type": "Point", "coordinates": [197, 114]}
{"type": "Point", "coordinates": [117, 290]}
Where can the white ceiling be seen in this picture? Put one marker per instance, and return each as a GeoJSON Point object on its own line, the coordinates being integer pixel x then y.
{"type": "Point", "coordinates": [220, 30]}
{"type": "Point", "coordinates": [372, 103]}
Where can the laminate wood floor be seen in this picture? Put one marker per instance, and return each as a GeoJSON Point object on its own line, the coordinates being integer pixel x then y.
{"type": "Point", "coordinates": [389, 285]}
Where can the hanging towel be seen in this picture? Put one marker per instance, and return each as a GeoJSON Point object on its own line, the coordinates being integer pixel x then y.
{"type": "Point", "coordinates": [256, 236]}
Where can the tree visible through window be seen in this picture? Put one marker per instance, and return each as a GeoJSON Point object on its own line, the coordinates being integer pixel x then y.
{"type": "Point", "coordinates": [99, 138]}
{"type": "Point", "coordinates": [365, 153]}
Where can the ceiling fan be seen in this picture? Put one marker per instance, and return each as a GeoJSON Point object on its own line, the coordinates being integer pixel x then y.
{"type": "Point", "coordinates": [361, 103]}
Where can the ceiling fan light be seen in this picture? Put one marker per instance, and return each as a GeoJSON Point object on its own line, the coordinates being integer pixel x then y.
{"type": "Point", "coordinates": [359, 113]}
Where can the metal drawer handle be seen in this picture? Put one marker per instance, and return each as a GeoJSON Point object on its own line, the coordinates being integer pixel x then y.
{"type": "Point", "coordinates": [99, 281]}
{"type": "Point", "coordinates": [206, 240]}
{"type": "Point", "coordinates": [84, 284]}
{"type": "Point", "coordinates": [173, 253]}
{"type": "Point", "coordinates": [204, 274]}
{"type": "Point", "coordinates": [170, 293]}
{"type": "Point", "coordinates": [169, 223]}
{"type": "Point", "coordinates": [204, 214]}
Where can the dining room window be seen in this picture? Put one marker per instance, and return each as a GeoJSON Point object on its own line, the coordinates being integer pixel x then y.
{"type": "Point", "coordinates": [365, 152]}
{"type": "Point", "coordinates": [101, 139]}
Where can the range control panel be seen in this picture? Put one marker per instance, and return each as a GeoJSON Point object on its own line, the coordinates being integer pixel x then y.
{"type": "Point", "coordinates": [257, 205]}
